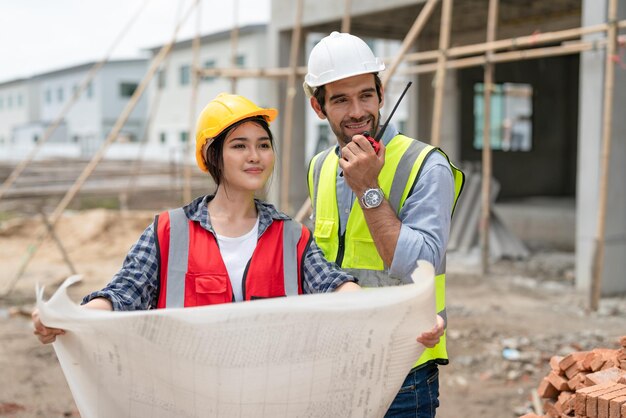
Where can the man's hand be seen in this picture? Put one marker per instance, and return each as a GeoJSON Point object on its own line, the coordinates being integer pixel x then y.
{"type": "Point", "coordinates": [361, 165]}
{"type": "Point", "coordinates": [46, 335]}
{"type": "Point", "coordinates": [431, 338]}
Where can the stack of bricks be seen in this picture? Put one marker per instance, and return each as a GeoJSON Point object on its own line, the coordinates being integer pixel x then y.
{"type": "Point", "coordinates": [585, 384]}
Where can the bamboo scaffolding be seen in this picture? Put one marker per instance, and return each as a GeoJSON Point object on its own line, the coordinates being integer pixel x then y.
{"type": "Point", "coordinates": [517, 42]}
{"type": "Point", "coordinates": [573, 48]}
{"type": "Point", "coordinates": [409, 39]}
{"type": "Point", "coordinates": [193, 100]}
{"type": "Point", "coordinates": [289, 99]}
{"type": "Point", "coordinates": [609, 79]}
{"type": "Point", "coordinates": [492, 21]}
{"type": "Point", "coordinates": [345, 22]}
{"type": "Point", "coordinates": [70, 103]}
{"type": "Point", "coordinates": [71, 193]}
{"type": "Point", "coordinates": [440, 76]}
{"type": "Point", "coordinates": [524, 41]}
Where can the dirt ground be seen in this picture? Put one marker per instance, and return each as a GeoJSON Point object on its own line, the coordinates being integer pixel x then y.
{"type": "Point", "coordinates": [503, 328]}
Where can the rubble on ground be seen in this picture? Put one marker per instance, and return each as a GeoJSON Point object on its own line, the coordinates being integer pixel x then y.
{"type": "Point", "coordinates": [584, 384]}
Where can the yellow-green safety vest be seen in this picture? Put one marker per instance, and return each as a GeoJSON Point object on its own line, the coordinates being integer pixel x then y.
{"type": "Point", "coordinates": [355, 252]}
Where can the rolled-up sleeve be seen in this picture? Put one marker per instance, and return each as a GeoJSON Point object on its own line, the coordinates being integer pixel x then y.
{"type": "Point", "coordinates": [321, 275]}
{"type": "Point", "coordinates": [135, 285]}
{"type": "Point", "coordinates": [426, 217]}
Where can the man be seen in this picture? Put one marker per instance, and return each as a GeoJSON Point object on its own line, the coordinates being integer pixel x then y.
{"type": "Point", "coordinates": [377, 213]}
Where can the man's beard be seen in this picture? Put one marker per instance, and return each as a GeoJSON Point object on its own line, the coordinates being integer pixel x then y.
{"type": "Point", "coordinates": [344, 139]}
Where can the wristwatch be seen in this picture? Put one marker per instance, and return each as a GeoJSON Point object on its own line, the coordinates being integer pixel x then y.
{"type": "Point", "coordinates": [372, 198]}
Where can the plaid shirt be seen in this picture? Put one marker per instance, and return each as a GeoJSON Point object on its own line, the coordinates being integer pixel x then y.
{"type": "Point", "coordinates": [136, 285]}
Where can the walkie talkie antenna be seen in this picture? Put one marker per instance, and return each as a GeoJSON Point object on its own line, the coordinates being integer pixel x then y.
{"type": "Point", "coordinates": [382, 130]}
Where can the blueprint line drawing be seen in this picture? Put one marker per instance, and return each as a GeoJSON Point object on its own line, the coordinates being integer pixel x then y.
{"type": "Point", "coordinates": [323, 355]}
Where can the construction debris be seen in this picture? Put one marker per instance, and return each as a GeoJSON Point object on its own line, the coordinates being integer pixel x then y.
{"type": "Point", "coordinates": [464, 234]}
{"type": "Point", "coordinates": [585, 384]}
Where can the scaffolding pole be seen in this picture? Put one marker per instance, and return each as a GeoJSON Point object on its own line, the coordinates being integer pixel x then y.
{"type": "Point", "coordinates": [153, 109]}
{"type": "Point", "coordinates": [345, 22]}
{"type": "Point", "coordinates": [71, 193]}
{"type": "Point", "coordinates": [607, 108]}
{"type": "Point", "coordinates": [440, 75]}
{"type": "Point", "coordinates": [193, 100]}
{"type": "Point", "coordinates": [289, 100]}
{"type": "Point", "coordinates": [66, 108]}
{"type": "Point", "coordinates": [234, 45]}
{"type": "Point", "coordinates": [492, 20]}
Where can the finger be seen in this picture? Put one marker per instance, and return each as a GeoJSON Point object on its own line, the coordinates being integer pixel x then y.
{"type": "Point", "coordinates": [364, 145]}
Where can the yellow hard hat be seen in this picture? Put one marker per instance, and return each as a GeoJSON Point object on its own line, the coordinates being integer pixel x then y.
{"type": "Point", "coordinates": [221, 113]}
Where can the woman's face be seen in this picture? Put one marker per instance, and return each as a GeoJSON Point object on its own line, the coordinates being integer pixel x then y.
{"type": "Point", "coordinates": [248, 158]}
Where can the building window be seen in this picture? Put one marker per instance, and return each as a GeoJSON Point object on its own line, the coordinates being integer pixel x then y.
{"type": "Point", "coordinates": [48, 96]}
{"type": "Point", "coordinates": [511, 117]}
{"type": "Point", "coordinates": [89, 90]}
{"type": "Point", "coordinates": [60, 94]}
{"type": "Point", "coordinates": [19, 100]}
{"type": "Point", "coordinates": [184, 136]}
{"type": "Point", "coordinates": [161, 77]}
{"type": "Point", "coordinates": [240, 61]}
{"type": "Point", "coordinates": [127, 89]}
{"type": "Point", "coordinates": [163, 137]}
{"type": "Point", "coordinates": [209, 64]}
{"type": "Point", "coordinates": [10, 101]}
{"type": "Point", "coordinates": [185, 75]}
{"type": "Point", "coordinates": [1, 103]}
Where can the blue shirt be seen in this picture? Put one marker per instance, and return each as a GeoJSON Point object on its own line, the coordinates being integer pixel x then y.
{"type": "Point", "coordinates": [425, 216]}
{"type": "Point", "coordinates": [136, 285]}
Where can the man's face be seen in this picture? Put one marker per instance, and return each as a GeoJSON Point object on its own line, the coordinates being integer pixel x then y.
{"type": "Point", "coordinates": [351, 106]}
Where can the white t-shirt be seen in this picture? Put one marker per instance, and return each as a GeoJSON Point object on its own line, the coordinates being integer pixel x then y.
{"type": "Point", "coordinates": [236, 252]}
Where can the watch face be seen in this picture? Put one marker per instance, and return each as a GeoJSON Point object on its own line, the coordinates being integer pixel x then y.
{"type": "Point", "coordinates": [373, 198]}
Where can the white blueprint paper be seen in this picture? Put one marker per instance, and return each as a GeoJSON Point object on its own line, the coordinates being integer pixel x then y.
{"type": "Point", "coordinates": [324, 355]}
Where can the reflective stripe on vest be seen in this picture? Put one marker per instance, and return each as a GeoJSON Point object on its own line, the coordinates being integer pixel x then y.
{"type": "Point", "coordinates": [404, 158]}
{"type": "Point", "coordinates": [294, 242]}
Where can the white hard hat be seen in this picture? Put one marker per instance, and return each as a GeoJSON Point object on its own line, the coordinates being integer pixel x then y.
{"type": "Point", "coordinates": [338, 56]}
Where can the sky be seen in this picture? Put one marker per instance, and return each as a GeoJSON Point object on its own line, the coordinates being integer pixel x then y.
{"type": "Point", "coordinates": [42, 35]}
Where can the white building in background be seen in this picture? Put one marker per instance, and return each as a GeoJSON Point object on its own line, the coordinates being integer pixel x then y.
{"type": "Point", "coordinates": [31, 105]}
{"type": "Point", "coordinates": [170, 97]}
{"type": "Point", "coordinates": [18, 106]}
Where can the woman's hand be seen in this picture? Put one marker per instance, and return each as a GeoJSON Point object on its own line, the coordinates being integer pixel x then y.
{"type": "Point", "coordinates": [46, 335]}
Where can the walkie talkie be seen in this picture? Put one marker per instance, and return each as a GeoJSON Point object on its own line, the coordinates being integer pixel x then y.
{"type": "Point", "coordinates": [376, 140]}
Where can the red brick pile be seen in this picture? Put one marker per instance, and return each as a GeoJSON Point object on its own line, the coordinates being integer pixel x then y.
{"type": "Point", "coordinates": [585, 384]}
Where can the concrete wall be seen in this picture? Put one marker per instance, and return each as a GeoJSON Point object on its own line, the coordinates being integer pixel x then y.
{"type": "Point", "coordinates": [589, 164]}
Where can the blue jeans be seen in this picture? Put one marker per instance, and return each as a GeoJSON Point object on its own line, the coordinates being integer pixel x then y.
{"type": "Point", "coordinates": [419, 394]}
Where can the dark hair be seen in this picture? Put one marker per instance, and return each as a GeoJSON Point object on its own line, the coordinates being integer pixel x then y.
{"type": "Point", "coordinates": [320, 93]}
{"type": "Point", "coordinates": [214, 154]}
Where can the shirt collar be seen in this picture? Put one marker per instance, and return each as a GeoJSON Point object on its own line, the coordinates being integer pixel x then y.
{"type": "Point", "coordinates": [198, 211]}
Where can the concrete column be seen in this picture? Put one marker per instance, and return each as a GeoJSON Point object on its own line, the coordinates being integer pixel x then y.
{"type": "Point", "coordinates": [591, 94]}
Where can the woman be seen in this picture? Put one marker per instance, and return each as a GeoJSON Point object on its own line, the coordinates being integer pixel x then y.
{"type": "Point", "coordinates": [225, 247]}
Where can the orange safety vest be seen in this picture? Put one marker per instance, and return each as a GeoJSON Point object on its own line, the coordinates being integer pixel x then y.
{"type": "Point", "coordinates": [192, 271]}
